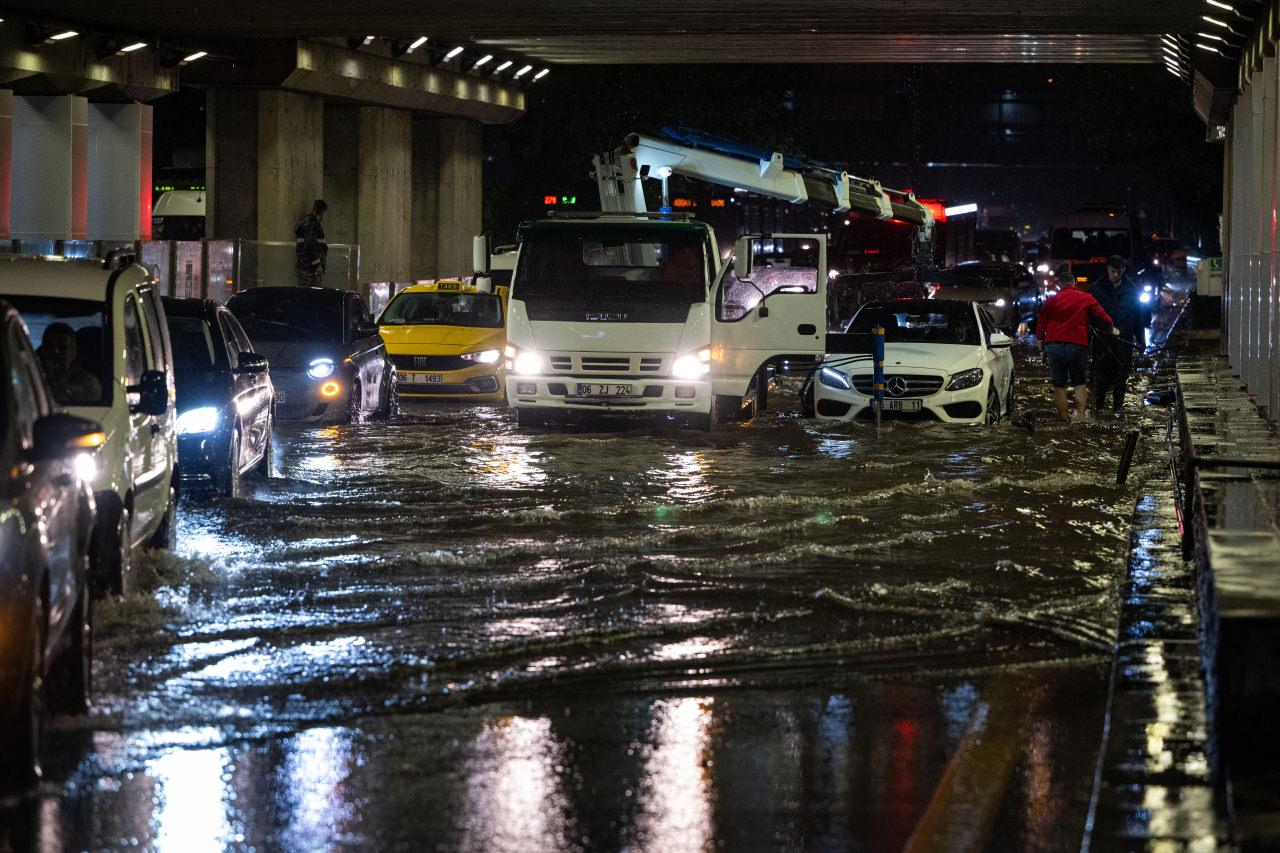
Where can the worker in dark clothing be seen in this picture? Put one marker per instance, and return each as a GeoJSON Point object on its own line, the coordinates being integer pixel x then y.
{"type": "Point", "coordinates": [1111, 356]}
{"type": "Point", "coordinates": [311, 248]}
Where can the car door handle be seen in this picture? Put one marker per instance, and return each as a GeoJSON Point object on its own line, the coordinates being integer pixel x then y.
{"type": "Point", "coordinates": [807, 329]}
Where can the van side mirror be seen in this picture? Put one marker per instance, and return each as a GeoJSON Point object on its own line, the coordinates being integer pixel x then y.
{"type": "Point", "coordinates": [480, 254]}
{"type": "Point", "coordinates": [483, 283]}
{"type": "Point", "coordinates": [153, 393]}
{"type": "Point", "coordinates": [742, 258]}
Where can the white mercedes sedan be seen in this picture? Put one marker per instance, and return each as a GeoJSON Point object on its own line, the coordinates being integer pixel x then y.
{"type": "Point", "coordinates": [944, 360]}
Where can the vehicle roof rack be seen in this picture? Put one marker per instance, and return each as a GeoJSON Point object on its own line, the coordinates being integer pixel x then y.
{"type": "Point", "coordinates": [619, 214]}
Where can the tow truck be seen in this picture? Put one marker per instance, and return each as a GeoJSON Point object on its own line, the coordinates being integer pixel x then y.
{"type": "Point", "coordinates": [625, 310]}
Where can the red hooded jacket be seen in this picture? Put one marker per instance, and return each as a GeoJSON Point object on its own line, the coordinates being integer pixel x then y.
{"type": "Point", "coordinates": [1065, 317]}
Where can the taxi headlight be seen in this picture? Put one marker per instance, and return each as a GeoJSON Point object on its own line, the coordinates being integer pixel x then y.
{"type": "Point", "coordinates": [833, 378]}
{"type": "Point", "coordinates": [965, 379]}
{"type": "Point", "coordinates": [694, 365]}
{"type": "Point", "coordinates": [528, 363]}
{"type": "Point", "coordinates": [319, 368]}
{"type": "Point", "coordinates": [197, 421]}
{"type": "Point", "coordinates": [488, 356]}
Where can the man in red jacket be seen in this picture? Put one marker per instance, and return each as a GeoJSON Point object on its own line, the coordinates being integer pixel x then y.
{"type": "Point", "coordinates": [1062, 329]}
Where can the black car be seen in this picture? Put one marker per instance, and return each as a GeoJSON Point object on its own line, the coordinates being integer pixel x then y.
{"type": "Point", "coordinates": [1008, 292]}
{"type": "Point", "coordinates": [46, 531]}
{"type": "Point", "coordinates": [328, 362]}
{"type": "Point", "coordinates": [225, 396]}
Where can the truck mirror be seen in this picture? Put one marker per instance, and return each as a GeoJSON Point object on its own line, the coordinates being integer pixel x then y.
{"type": "Point", "coordinates": [480, 254]}
{"type": "Point", "coordinates": [742, 258]}
{"type": "Point", "coordinates": [483, 283]}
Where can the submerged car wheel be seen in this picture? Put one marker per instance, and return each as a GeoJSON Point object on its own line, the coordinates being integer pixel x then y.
{"type": "Point", "coordinates": [993, 407]}
{"type": "Point", "coordinates": [390, 406]}
{"type": "Point", "coordinates": [1008, 399]}
{"type": "Point", "coordinates": [354, 400]}
{"type": "Point", "coordinates": [264, 464]}
{"type": "Point", "coordinates": [112, 548]}
{"type": "Point", "coordinates": [165, 536]}
{"type": "Point", "coordinates": [20, 740]}
{"type": "Point", "coordinates": [229, 475]}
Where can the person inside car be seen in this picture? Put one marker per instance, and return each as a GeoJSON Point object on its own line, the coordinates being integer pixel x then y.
{"type": "Point", "coordinates": [71, 384]}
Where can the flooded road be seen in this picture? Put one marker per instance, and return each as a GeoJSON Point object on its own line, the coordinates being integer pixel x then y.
{"type": "Point", "coordinates": [444, 633]}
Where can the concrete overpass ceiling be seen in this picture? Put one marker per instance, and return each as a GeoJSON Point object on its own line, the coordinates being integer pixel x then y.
{"type": "Point", "coordinates": [685, 31]}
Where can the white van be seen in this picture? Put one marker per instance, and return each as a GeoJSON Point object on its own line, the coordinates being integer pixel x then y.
{"type": "Point", "coordinates": [178, 215]}
{"type": "Point", "coordinates": [103, 344]}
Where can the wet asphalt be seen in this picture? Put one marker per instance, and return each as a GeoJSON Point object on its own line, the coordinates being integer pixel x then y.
{"type": "Point", "coordinates": [443, 633]}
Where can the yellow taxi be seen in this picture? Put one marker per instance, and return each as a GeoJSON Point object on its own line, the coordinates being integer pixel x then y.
{"type": "Point", "coordinates": [446, 341]}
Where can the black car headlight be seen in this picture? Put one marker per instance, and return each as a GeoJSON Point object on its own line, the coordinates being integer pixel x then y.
{"type": "Point", "coordinates": [965, 379]}
{"type": "Point", "coordinates": [834, 379]}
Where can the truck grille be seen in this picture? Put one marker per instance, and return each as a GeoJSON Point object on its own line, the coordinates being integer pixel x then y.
{"type": "Point", "coordinates": [606, 365]}
{"type": "Point", "coordinates": [915, 385]}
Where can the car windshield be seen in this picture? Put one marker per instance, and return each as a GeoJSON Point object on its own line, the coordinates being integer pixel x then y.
{"type": "Point", "coordinates": [286, 314]}
{"type": "Point", "coordinates": [919, 322]}
{"type": "Point", "coordinates": [1080, 243]}
{"type": "Point", "coordinates": [480, 310]}
{"type": "Point", "coordinates": [192, 341]}
{"type": "Point", "coordinates": [72, 345]}
{"type": "Point", "coordinates": [607, 265]}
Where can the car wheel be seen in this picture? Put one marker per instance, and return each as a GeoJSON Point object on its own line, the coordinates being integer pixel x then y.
{"type": "Point", "coordinates": [165, 536]}
{"type": "Point", "coordinates": [20, 741]}
{"type": "Point", "coordinates": [71, 679]}
{"type": "Point", "coordinates": [229, 475]}
{"type": "Point", "coordinates": [808, 399]}
{"type": "Point", "coordinates": [112, 548]}
{"type": "Point", "coordinates": [1008, 399]}
{"type": "Point", "coordinates": [354, 397]}
{"type": "Point", "coordinates": [390, 406]}
{"type": "Point", "coordinates": [264, 464]}
{"type": "Point", "coordinates": [993, 407]}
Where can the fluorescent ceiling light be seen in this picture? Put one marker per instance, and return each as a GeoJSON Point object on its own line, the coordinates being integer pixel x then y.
{"type": "Point", "coordinates": [451, 54]}
{"type": "Point", "coordinates": [1217, 23]}
{"type": "Point", "coordinates": [483, 60]}
{"type": "Point", "coordinates": [368, 40]}
{"type": "Point", "coordinates": [65, 34]}
{"type": "Point", "coordinates": [130, 48]}
{"type": "Point", "coordinates": [543, 73]}
{"type": "Point", "coordinates": [417, 43]}
{"type": "Point", "coordinates": [524, 70]}
{"type": "Point", "coordinates": [199, 54]}
{"type": "Point", "coordinates": [960, 209]}
{"type": "Point", "coordinates": [503, 67]}
{"type": "Point", "coordinates": [1209, 48]}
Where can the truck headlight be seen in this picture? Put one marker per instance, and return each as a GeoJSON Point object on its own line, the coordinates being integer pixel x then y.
{"type": "Point", "coordinates": [528, 363]}
{"type": "Point", "coordinates": [694, 365]}
{"type": "Point", "coordinates": [833, 378]}
{"type": "Point", "coordinates": [487, 356]}
{"type": "Point", "coordinates": [965, 379]}
{"type": "Point", "coordinates": [319, 368]}
{"type": "Point", "coordinates": [196, 421]}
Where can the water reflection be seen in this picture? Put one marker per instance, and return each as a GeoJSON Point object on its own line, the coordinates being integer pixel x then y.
{"type": "Point", "coordinates": [505, 462]}
{"type": "Point", "coordinates": [515, 798]}
{"type": "Point", "coordinates": [311, 787]}
{"type": "Point", "coordinates": [685, 476]}
{"type": "Point", "coordinates": [191, 808]}
{"type": "Point", "coordinates": [676, 793]}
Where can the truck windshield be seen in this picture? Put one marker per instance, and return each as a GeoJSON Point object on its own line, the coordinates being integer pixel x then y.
{"type": "Point", "coordinates": [476, 310]}
{"type": "Point", "coordinates": [596, 267]}
{"type": "Point", "coordinates": [72, 345]}
{"type": "Point", "coordinates": [1073, 244]}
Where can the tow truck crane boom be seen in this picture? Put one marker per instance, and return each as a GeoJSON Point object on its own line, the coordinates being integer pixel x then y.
{"type": "Point", "coordinates": [681, 151]}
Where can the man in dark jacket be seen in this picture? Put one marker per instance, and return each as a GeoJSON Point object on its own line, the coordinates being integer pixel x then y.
{"type": "Point", "coordinates": [311, 249]}
{"type": "Point", "coordinates": [1112, 355]}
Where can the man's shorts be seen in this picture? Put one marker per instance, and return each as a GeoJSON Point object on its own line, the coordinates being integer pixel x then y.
{"type": "Point", "coordinates": [1067, 363]}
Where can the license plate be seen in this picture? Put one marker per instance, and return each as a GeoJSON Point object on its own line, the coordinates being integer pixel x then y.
{"type": "Point", "coordinates": [903, 405]}
{"type": "Point", "coordinates": [591, 389]}
{"type": "Point", "coordinates": [424, 378]}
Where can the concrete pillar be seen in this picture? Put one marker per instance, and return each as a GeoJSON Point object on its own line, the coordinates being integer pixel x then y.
{"type": "Point", "coordinates": [341, 172]}
{"type": "Point", "coordinates": [290, 160]}
{"type": "Point", "coordinates": [385, 207]}
{"type": "Point", "coordinates": [231, 164]}
{"type": "Point", "coordinates": [425, 195]}
{"type": "Point", "coordinates": [6, 158]}
{"type": "Point", "coordinates": [458, 206]}
{"type": "Point", "coordinates": [50, 187]}
{"type": "Point", "coordinates": [119, 172]}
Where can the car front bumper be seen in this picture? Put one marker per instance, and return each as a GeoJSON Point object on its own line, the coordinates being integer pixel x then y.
{"type": "Point", "coordinates": [482, 382]}
{"type": "Point", "coordinates": [646, 396]}
{"type": "Point", "coordinates": [200, 456]}
{"type": "Point", "coordinates": [299, 397]}
{"type": "Point", "coordinates": [966, 406]}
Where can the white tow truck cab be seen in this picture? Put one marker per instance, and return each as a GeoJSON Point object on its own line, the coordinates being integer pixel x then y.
{"type": "Point", "coordinates": [628, 311]}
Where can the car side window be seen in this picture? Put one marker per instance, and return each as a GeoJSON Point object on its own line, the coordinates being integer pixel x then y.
{"type": "Point", "coordinates": [135, 346]}
{"type": "Point", "coordinates": [357, 315]}
{"type": "Point", "coordinates": [23, 385]}
{"type": "Point", "coordinates": [988, 326]}
{"type": "Point", "coordinates": [229, 339]}
{"type": "Point", "coordinates": [243, 344]}
{"type": "Point", "coordinates": [157, 330]}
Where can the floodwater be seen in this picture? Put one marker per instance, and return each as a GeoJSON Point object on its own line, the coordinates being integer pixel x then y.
{"type": "Point", "coordinates": [446, 634]}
